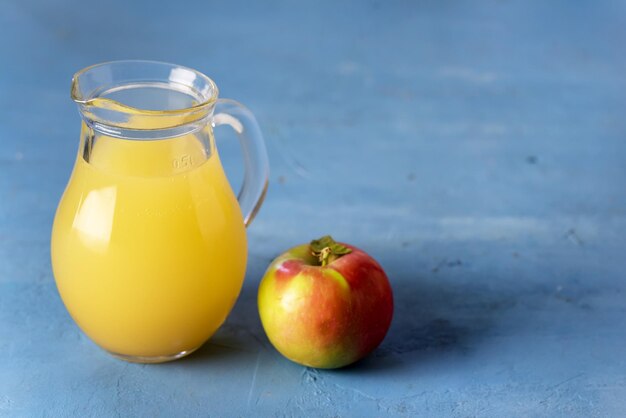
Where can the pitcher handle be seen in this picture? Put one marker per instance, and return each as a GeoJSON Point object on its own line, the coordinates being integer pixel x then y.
{"type": "Point", "coordinates": [256, 176]}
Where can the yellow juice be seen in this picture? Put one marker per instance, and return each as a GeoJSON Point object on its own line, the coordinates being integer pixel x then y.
{"type": "Point", "coordinates": [148, 245]}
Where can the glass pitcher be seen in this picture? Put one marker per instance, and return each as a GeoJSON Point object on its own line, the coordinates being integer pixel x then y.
{"type": "Point", "coordinates": [148, 245]}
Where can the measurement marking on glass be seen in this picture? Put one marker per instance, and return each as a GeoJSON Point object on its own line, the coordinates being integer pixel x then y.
{"type": "Point", "coordinates": [184, 161]}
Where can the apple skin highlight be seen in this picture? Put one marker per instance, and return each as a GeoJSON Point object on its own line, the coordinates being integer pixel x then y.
{"type": "Point", "coordinates": [325, 316]}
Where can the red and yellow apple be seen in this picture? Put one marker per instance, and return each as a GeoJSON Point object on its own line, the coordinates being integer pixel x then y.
{"type": "Point", "coordinates": [325, 304]}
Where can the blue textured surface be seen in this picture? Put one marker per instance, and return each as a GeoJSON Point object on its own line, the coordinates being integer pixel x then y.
{"type": "Point", "coordinates": [476, 149]}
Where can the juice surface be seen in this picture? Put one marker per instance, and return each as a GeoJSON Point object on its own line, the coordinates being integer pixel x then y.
{"type": "Point", "coordinates": [148, 246]}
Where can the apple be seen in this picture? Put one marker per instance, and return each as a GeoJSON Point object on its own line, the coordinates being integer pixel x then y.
{"type": "Point", "coordinates": [325, 304]}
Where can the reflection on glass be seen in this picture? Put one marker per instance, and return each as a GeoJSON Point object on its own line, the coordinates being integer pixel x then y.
{"type": "Point", "coordinates": [94, 219]}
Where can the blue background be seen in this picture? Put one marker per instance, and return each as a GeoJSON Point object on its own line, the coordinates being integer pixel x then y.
{"type": "Point", "coordinates": [476, 149]}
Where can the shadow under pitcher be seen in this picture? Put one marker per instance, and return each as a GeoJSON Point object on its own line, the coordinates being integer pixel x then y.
{"type": "Point", "coordinates": [149, 244]}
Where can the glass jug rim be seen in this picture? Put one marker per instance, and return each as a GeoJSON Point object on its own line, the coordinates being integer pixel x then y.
{"type": "Point", "coordinates": [80, 98]}
{"type": "Point", "coordinates": [142, 99]}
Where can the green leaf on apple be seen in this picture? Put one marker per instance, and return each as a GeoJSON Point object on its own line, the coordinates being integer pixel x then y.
{"type": "Point", "coordinates": [327, 250]}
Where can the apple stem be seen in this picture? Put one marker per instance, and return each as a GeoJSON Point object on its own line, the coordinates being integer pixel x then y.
{"type": "Point", "coordinates": [326, 256]}
{"type": "Point", "coordinates": [326, 250]}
